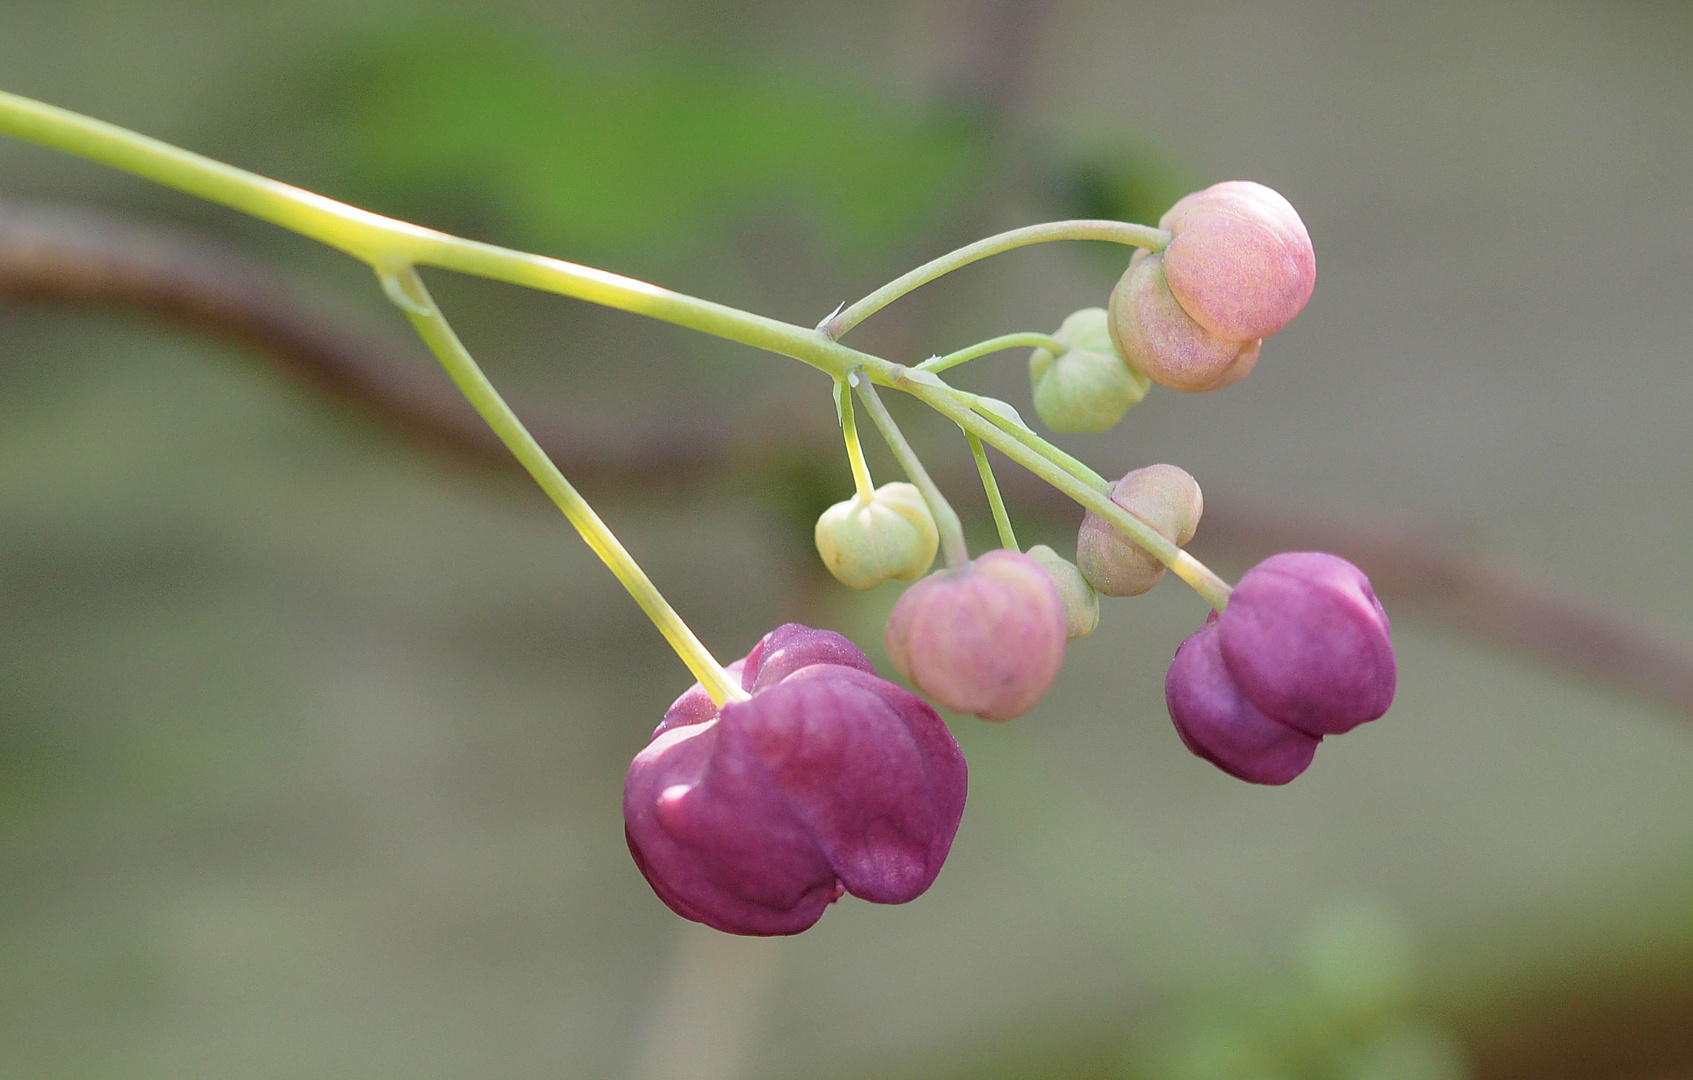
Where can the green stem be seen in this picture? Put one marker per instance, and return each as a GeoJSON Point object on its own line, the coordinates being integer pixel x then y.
{"type": "Point", "coordinates": [861, 481]}
{"type": "Point", "coordinates": [1074, 467]}
{"type": "Point", "coordinates": [1116, 232]}
{"type": "Point", "coordinates": [406, 289]}
{"type": "Point", "coordinates": [392, 246]}
{"type": "Point", "coordinates": [953, 548]}
{"type": "Point", "coordinates": [1213, 588]}
{"type": "Point", "coordinates": [1001, 520]}
{"type": "Point", "coordinates": [993, 345]}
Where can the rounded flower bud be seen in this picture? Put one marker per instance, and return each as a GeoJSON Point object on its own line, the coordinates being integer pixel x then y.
{"type": "Point", "coordinates": [1239, 259]}
{"type": "Point", "coordinates": [1088, 388]}
{"type": "Point", "coordinates": [1302, 651]}
{"type": "Point", "coordinates": [892, 536]}
{"type": "Point", "coordinates": [1081, 602]}
{"type": "Point", "coordinates": [1163, 496]}
{"type": "Point", "coordinates": [1238, 268]}
{"type": "Point", "coordinates": [1160, 339]}
{"type": "Point", "coordinates": [755, 817]}
{"type": "Point", "coordinates": [985, 639]}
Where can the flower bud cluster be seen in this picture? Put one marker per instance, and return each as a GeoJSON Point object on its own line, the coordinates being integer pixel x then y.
{"type": "Point", "coordinates": [1238, 268]}
{"type": "Point", "coordinates": [1301, 651]}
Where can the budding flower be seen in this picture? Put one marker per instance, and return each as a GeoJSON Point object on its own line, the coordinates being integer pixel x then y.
{"type": "Point", "coordinates": [1081, 602]}
{"type": "Point", "coordinates": [892, 535]}
{"type": "Point", "coordinates": [985, 639]}
{"type": "Point", "coordinates": [1089, 387]}
{"type": "Point", "coordinates": [755, 817]}
{"type": "Point", "coordinates": [1303, 650]}
{"type": "Point", "coordinates": [1238, 268]}
{"type": "Point", "coordinates": [1163, 496]}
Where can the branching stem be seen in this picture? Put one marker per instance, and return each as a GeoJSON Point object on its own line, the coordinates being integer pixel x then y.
{"type": "Point", "coordinates": [953, 549]}
{"type": "Point", "coordinates": [993, 345]}
{"type": "Point", "coordinates": [1001, 520]}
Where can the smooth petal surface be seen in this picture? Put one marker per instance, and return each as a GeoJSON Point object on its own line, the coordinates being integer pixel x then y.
{"type": "Point", "coordinates": [1240, 261]}
{"type": "Point", "coordinates": [1217, 723]}
{"type": "Point", "coordinates": [754, 818]}
{"type": "Point", "coordinates": [1160, 338]}
{"type": "Point", "coordinates": [1308, 642]}
{"type": "Point", "coordinates": [986, 639]}
{"type": "Point", "coordinates": [1165, 497]}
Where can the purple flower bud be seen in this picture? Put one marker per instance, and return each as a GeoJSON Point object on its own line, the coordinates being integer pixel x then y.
{"type": "Point", "coordinates": [1301, 651]}
{"type": "Point", "coordinates": [755, 817]}
{"type": "Point", "coordinates": [1307, 640]}
{"type": "Point", "coordinates": [1218, 724]}
{"type": "Point", "coordinates": [985, 639]}
{"type": "Point", "coordinates": [1239, 260]}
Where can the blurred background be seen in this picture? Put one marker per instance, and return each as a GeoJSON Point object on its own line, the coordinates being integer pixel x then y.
{"type": "Point", "coordinates": [312, 737]}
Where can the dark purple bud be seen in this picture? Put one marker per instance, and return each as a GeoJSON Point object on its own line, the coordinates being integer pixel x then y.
{"type": "Point", "coordinates": [986, 639]}
{"type": "Point", "coordinates": [1307, 640]}
{"type": "Point", "coordinates": [755, 817]}
{"type": "Point", "coordinates": [1301, 651]}
{"type": "Point", "coordinates": [1218, 724]}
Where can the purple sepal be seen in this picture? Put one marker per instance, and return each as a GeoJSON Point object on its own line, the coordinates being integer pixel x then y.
{"type": "Point", "coordinates": [755, 818]}
{"type": "Point", "coordinates": [1218, 724]}
{"type": "Point", "coordinates": [1307, 641]}
{"type": "Point", "coordinates": [1301, 651]}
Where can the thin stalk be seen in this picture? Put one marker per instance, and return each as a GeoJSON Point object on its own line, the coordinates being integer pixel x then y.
{"type": "Point", "coordinates": [1116, 232]}
{"type": "Point", "coordinates": [1001, 520]}
{"type": "Point", "coordinates": [1073, 466]}
{"type": "Point", "coordinates": [993, 345]}
{"type": "Point", "coordinates": [1213, 588]}
{"type": "Point", "coordinates": [406, 289]}
{"type": "Point", "coordinates": [953, 548]}
{"type": "Point", "coordinates": [855, 453]}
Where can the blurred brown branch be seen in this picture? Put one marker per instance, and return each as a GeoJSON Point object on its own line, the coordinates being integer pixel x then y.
{"type": "Point", "coordinates": [54, 256]}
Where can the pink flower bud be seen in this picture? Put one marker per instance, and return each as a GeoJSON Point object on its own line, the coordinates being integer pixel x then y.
{"type": "Point", "coordinates": [985, 639]}
{"type": "Point", "coordinates": [1302, 651]}
{"type": "Point", "coordinates": [1163, 496]}
{"type": "Point", "coordinates": [1239, 260]}
{"type": "Point", "coordinates": [1159, 339]}
{"type": "Point", "coordinates": [755, 817]}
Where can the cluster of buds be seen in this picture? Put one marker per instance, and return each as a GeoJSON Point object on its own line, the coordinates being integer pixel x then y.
{"type": "Point", "coordinates": [755, 815]}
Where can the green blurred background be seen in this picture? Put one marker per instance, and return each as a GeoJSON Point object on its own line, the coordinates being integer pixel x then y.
{"type": "Point", "coordinates": [311, 743]}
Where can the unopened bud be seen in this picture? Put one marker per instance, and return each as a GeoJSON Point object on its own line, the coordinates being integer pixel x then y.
{"type": "Point", "coordinates": [866, 543]}
{"type": "Point", "coordinates": [1088, 388]}
{"type": "Point", "coordinates": [1163, 496]}
{"type": "Point", "coordinates": [1081, 602]}
{"type": "Point", "coordinates": [985, 639]}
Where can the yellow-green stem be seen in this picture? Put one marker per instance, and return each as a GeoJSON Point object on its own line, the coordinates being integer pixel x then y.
{"type": "Point", "coordinates": [1116, 232]}
{"type": "Point", "coordinates": [861, 481]}
{"type": "Point", "coordinates": [953, 549]}
{"type": "Point", "coordinates": [1001, 520]}
{"type": "Point", "coordinates": [993, 345]}
{"type": "Point", "coordinates": [407, 290]}
{"type": "Point", "coordinates": [391, 246]}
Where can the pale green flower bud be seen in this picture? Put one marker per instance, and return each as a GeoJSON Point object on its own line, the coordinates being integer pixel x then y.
{"type": "Point", "coordinates": [1081, 602]}
{"type": "Point", "coordinates": [1088, 388]}
{"type": "Point", "coordinates": [1164, 497]}
{"type": "Point", "coordinates": [866, 543]}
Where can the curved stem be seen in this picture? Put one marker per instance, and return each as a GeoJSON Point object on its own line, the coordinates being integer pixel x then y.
{"type": "Point", "coordinates": [406, 289]}
{"type": "Point", "coordinates": [393, 247]}
{"type": "Point", "coordinates": [953, 548]}
{"type": "Point", "coordinates": [1116, 232]}
{"type": "Point", "coordinates": [861, 481]}
{"type": "Point", "coordinates": [1001, 520]}
{"type": "Point", "coordinates": [993, 345]}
